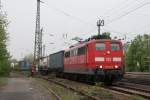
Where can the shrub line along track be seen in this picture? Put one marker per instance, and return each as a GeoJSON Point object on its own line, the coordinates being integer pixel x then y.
{"type": "Point", "coordinates": [71, 88]}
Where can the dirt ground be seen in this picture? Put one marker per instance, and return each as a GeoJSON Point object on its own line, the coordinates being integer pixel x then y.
{"type": "Point", "coordinates": [24, 89]}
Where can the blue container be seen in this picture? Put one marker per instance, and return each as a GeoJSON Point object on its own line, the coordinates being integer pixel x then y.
{"type": "Point", "coordinates": [24, 65]}
{"type": "Point", "coordinates": [56, 61]}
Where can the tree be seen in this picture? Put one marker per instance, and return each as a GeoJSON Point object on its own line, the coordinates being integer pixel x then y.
{"type": "Point", "coordinates": [4, 55]}
{"type": "Point", "coordinates": [137, 53]}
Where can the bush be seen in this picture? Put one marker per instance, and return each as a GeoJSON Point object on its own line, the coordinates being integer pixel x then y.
{"type": "Point", "coordinates": [4, 68]}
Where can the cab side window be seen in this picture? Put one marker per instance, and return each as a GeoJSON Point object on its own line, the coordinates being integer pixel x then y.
{"type": "Point", "coordinates": [82, 51]}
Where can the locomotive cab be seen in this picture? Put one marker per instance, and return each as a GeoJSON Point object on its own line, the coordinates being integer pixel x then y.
{"type": "Point", "coordinates": [108, 59]}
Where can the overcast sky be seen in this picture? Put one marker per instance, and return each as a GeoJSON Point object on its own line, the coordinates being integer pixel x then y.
{"type": "Point", "coordinates": [72, 17]}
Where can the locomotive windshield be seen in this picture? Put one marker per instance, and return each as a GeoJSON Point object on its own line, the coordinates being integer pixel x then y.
{"type": "Point", "coordinates": [100, 46]}
{"type": "Point", "coordinates": [115, 46]}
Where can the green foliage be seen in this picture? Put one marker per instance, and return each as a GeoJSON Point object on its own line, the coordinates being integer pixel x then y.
{"type": "Point", "coordinates": [137, 53]}
{"type": "Point", "coordinates": [106, 33]}
{"type": "Point", "coordinates": [4, 55]}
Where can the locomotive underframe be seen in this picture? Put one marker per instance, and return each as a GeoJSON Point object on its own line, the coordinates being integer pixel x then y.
{"type": "Point", "coordinates": [109, 75]}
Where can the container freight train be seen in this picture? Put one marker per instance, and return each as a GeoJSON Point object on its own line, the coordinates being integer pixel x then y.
{"type": "Point", "coordinates": [97, 59]}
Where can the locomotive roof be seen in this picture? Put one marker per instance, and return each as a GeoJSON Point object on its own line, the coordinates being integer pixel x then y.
{"type": "Point", "coordinates": [83, 43]}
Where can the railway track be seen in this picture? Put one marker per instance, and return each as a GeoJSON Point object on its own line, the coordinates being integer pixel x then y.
{"type": "Point", "coordinates": [137, 73]}
{"type": "Point", "coordinates": [137, 87]}
{"type": "Point", "coordinates": [134, 83]}
{"type": "Point", "coordinates": [71, 88]}
{"type": "Point", "coordinates": [121, 87]}
{"type": "Point", "coordinates": [132, 89]}
{"type": "Point", "coordinates": [137, 78]}
{"type": "Point", "coordinates": [50, 91]}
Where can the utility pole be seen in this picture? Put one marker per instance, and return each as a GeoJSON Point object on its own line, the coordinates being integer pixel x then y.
{"type": "Point", "coordinates": [38, 37]}
{"type": "Point", "coordinates": [99, 24]}
{"type": "Point", "coordinates": [41, 46]}
{"type": "Point", "coordinates": [149, 49]}
{"type": "Point", "coordinates": [0, 6]}
{"type": "Point", "coordinates": [43, 50]}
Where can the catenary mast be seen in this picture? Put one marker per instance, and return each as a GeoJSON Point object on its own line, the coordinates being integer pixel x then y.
{"type": "Point", "coordinates": [38, 37]}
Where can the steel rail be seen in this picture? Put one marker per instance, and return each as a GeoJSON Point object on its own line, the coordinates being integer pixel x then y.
{"type": "Point", "coordinates": [50, 91]}
{"type": "Point", "coordinates": [129, 91]}
{"type": "Point", "coordinates": [72, 89]}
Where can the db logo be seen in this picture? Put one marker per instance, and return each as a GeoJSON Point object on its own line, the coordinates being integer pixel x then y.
{"type": "Point", "coordinates": [108, 59]}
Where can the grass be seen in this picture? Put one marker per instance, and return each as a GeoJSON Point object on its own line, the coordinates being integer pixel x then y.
{"type": "Point", "coordinates": [90, 90]}
{"type": "Point", "coordinates": [26, 73]}
{"type": "Point", "coordinates": [96, 90]}
{"type": "Point", "coordinates": [18, 73]}
{"type": "Point", "coordinates": [62, 92]}
{"type": "Point", "coordinates": [136, 97]}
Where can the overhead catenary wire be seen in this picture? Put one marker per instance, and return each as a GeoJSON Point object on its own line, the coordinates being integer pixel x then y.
{"type": "Point", "coordinates": [74, 18]}
{"type": "Point", "coordinates": [78, 19]}
{"type": "Point", "coordinates": [84, 22]}
{"type": "Point", "coordinates": [69, 15]}
{"type": "Point", "coordinates": [112, 30]}
{"type": "Point", "coordinates": [119, 8]}
{"type": "Point", "coordinates": [129, 12]}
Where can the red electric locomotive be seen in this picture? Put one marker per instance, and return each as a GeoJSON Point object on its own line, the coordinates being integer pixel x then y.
{"type": "Point", "coordinates": [98, 59]}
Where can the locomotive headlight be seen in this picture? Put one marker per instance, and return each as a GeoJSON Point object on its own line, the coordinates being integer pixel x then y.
{"type": "Point", "coordinates": [117, 59]}
{"type": "Point", "coordinates": [100, 66]}
{"type": "Point", "coordinates": [108, 52]}
{"type": "Point", "coordinates": [116, 66]}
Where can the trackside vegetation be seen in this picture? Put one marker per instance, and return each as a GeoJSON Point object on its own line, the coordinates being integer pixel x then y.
{"type": "Point", "coordinates": [4, 55]}
{"type": "Point", "coordinates": [137, 53]}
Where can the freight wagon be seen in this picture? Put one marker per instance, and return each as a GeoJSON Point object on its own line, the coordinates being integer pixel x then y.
{"type": "Point", "coordinates": [56, 62]}
{"type": "Point", "coordinates": [52, 63]}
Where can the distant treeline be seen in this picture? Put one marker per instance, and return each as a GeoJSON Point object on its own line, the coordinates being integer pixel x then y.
{"type": "Point", "coordinates": [4, 55]}
{"type": "Point", "coordinates": [137, 53]}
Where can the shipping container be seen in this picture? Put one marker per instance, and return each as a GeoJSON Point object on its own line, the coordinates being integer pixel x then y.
{"type": "Point", "coordinates": [56, 61]}
{"type": "Point", "coordinates": [24, 65]}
